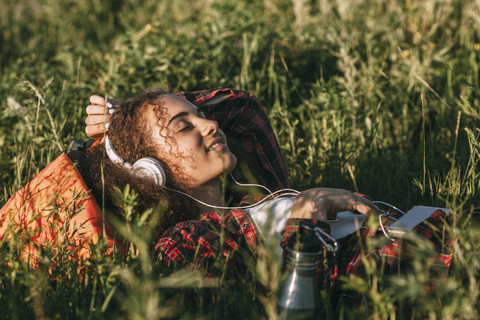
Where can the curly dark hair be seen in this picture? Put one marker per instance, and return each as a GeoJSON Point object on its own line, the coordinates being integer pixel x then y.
{"type": "Point", "coordinates": [132, 139]}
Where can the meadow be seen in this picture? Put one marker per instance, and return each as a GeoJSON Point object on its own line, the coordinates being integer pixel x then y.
{"type": "Point", "coordinates": [380, 97]}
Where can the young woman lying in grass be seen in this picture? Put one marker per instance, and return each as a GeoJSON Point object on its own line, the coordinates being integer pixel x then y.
{"type": "Point", "coordinates": [181, 132]}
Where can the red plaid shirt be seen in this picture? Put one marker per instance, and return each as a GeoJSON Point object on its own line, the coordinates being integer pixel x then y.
{"type": "Point", "coordinates": [211, 243]}
{"type": "Point", "coordinates": [216, 243]}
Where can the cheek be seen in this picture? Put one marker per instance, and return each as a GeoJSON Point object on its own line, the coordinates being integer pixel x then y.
{"type": "Point", "coordinates": [184, 170]}
{"type": "Point", "coordinates": [167, 149]}
{"type": "Point", "coordinates": [163, 145]}
{"type": "Point", "coordinates": [176, 148]}
{"type": "Point", "coordinates": [185, 159]}
{"type": "Point", "coordinates": [190, 149]}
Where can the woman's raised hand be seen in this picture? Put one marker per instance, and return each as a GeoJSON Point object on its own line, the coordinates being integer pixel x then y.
{"type": "Point", "coordinates": [324, 204]}
{"type": "Point", "coordinates": [97, 117]}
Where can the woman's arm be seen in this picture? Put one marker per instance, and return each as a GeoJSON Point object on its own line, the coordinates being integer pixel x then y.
{"type": "Point", "coordinates": [314, 207]}
{"type": "Point", "coordinates": [324, 204]}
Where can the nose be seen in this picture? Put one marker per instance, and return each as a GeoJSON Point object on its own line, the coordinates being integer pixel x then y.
{"type": "Point", "coordinates": [208, 127]}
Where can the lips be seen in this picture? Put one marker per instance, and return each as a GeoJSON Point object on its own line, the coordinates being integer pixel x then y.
{"type": "Point", "coordinates": [215, 143]}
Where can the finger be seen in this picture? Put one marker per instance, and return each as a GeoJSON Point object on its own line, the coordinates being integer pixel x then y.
{"type": "Point", "coordinates": [363, 209]}
{"type": "Point", "coordinates": [346, 200]}
{"type": "Point", "coordinates": [365, 206]}
{"type": "Point", "coordinates": [96, 131]}
{"type": "Point", "coordinates": [95, 99]}
{"type": "Point", "coordinates": [95, 109]}
{"type": "Point", "coordinates": [97, 119]}
{"type": "Point", "coordinates": [371, 205]}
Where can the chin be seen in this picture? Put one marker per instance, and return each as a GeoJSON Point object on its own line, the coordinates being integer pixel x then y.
{"type": "Point", "coordinates": [231, 164]}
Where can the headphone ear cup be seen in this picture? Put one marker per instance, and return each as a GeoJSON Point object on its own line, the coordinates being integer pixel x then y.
{"type": "Point", "coordinates": [150, 168]}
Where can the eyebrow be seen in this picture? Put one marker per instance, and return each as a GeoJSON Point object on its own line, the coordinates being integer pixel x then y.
{"type": "Point", "coordinates": [178, 115]}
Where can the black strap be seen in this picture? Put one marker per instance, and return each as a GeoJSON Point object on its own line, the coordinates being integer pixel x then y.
{"type": "Point", "coordinates": [76, 151]}
{"type": "Point", "coordinates": [79, 145]}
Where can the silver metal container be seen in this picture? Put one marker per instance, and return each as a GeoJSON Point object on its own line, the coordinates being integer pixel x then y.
{"type": "Point", "coordinates": [299, 298]}
{"type": "Point", "coordinates": [299, 295]}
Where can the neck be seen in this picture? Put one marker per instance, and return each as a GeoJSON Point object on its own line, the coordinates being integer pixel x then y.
{"type": "Point", "coordinates": [210, 193]}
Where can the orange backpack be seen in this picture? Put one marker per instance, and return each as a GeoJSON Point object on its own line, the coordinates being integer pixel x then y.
{"type": "Point", "coordinates": [55, 209]}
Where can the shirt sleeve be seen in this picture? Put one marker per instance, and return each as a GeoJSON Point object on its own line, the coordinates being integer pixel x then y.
{"type": "Point", "coordinates": [213, 245]}
{"type": "Point", "coordinates": [250, 135]}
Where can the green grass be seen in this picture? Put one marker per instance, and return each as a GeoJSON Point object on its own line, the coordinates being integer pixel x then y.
{"type": "Point", "coordinates": [380, 97]}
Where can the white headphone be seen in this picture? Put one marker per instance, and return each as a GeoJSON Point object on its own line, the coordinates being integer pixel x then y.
{"type": "Point", "coordinates": [146, 167]}
{"type": "Point", "coordinates": [150, 168]}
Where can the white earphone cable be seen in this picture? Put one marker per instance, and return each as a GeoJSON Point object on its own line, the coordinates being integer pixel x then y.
{"type": "Point", "coordinates": [237, 207]}
{"type": "Point", "coordinates": [249, 184]}
{"type": "Point", "coordinates": [279, 193]}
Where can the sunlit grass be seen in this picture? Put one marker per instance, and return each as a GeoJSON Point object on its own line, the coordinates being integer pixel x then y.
{"type": "Point", "coordinates": [377, 96]}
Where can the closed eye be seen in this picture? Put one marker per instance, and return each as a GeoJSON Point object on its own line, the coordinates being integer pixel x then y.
{"type": "Point", "coordinates": [185, 126]}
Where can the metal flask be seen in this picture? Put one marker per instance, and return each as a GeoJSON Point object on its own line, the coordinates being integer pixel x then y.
{"type": "Point", "coordinates": [299, 296]}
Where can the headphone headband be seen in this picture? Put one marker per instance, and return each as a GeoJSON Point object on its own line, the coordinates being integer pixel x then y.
{"type": "Point", "coordinates": [112, 155]}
